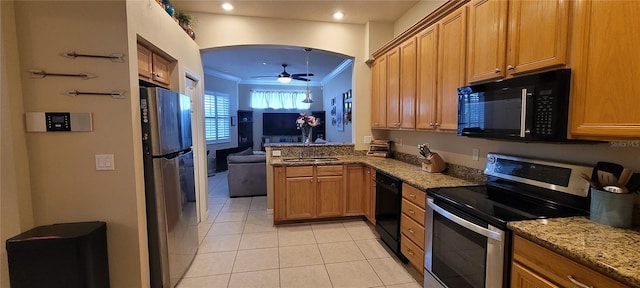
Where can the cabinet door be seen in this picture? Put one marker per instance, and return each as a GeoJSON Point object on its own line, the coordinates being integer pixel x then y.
{"type": "Point", "coordinates": [538, 34]}
{"type": "Point", "coordinates": [393, 88]}
{"type": "Point", "coordinates": [145, 68]}
{"type": "Point", "coordinates": [486, 40]}
{"type": "Point", "coordinates": [521, 277]}
{"type": "Point", "coordinates": [160, 69]}
{"type": "Point", "coordinates": [379, 93]}
{"type": "Point", "coordinates": [368, 195]}
{"type": "Point", "coordinates": [330, 196]}
{"type": "Point", "coordinates": [451, 67]}
{"type": "Point", "coordinates": [408, 53]}
{"type": "Point", "coordinates": [355, 182]}
{"type": "Point", "coordinates": [279, 194]}
{"type": "Point", "coordinates": [300, 201]}
{"type": "Point", "coordinates": [427, 78]}
{"type": "Point", "coordinates": [604, 96]}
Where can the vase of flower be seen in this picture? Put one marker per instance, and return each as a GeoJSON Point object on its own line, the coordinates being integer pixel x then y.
{"type": "Point", "coordinates": [305, 123]}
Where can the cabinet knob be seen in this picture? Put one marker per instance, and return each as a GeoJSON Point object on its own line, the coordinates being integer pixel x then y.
{"type": "Point", "coordinates": [412, 195]}
{"type": "Point", "coordinates": [411, 252]}
{"type": "Point", "coordinates": [437, 124]}
{"type": "Point", "coordinates": [411, 212]}
{"type": "Point", "coordinates": [311, 181]}
{"type": "Point", "coordinates": [318, 180]}
{"type": "Point", "coordinates": [431, 124]}
{"type": "Point", "coordinates": [497, 70]}
{"type": "Point", "coordinates": [510, 67]}
{"type": "Point", "coordinates": [411, 231]}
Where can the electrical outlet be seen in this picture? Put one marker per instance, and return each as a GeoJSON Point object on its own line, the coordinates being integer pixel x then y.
{"type": "Point", "coordinates": [367, 139]}
{"type": "Point", "coordinates": [475, 153]}
{"type": "Point", "coordinates": [276, 153]}
{"type": "Point", "coordinates": [105, 162]}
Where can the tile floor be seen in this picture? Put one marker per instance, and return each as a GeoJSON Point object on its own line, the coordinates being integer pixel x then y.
{"type": "Point", "coordinates": [240, 247]}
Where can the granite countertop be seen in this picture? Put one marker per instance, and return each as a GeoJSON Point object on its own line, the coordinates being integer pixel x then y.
{"type": "Point", "coordinates": [300, 144]}
{"type": "Point", "coordinates": [611, 251]}
{"type": "Point", "coordinates": [408, 173]}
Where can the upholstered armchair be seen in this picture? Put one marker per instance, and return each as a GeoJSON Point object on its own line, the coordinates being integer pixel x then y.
{"type": "Point", "coordinates": [247, 174]}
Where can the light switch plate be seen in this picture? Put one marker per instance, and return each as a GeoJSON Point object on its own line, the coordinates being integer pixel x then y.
{"type": "Point", "coordinates": [367, 139]}
{"type": "Point", "coordinates": [105, 162]}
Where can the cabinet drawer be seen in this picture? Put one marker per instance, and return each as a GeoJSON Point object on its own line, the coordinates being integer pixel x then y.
{"type": "Point", "coordinates": [414, 195]}
{"type": "Point", "coordinates": [557, 268]}
{"type": "Point", "coordinates": [299, 171]}
{"type": "Point", "coordinates": [412, 252]}
{"type": "Point", "coordinates": [412, 211]}
{"type": "Point", "coordinates": [329, 170]}
{"type": "Point", "coordinates": [412, 230]}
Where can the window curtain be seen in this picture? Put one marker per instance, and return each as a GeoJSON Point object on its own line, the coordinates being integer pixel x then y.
{"type": "Point", "coordinates": [279, 100]}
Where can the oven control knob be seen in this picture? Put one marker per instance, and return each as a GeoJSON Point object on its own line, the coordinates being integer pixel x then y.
{"type": "Point", "coordinates": [491, 159]}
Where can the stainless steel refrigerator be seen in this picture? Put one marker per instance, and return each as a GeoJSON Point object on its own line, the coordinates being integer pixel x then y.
{"type": "Point", "coordinates": [169, 184]}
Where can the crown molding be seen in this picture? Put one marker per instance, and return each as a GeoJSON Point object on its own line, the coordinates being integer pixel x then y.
{"type": "Point", "coordinates": [344, 65]}
{"type": "Point", "coordinates": [215, 73]}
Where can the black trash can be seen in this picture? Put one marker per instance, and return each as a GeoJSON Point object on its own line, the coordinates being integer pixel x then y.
{"type": "Point", "coordinates": [69, 255]}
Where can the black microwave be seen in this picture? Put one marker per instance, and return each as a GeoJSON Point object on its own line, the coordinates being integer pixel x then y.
{"type": "Point", "coordinates": [532, 108]}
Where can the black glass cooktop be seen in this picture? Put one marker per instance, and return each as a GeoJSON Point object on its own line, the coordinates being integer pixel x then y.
{"type": "Point", "coordinates": [498, 206]}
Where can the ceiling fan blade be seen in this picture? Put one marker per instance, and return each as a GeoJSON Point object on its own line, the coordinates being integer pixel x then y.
{"type": "Point", "coordinates": [302, 74]}
{"type": "Point", "coordinates": [301, 79]}
{"type": "Point", "coordinates": [264, 76]}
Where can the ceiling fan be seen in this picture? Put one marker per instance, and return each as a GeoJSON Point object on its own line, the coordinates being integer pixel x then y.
{"type": "Point", "coordinates": [285, 77]}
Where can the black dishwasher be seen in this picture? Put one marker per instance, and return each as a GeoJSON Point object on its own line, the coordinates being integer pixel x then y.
{"type": "Point", "coordinates": [388, 210]}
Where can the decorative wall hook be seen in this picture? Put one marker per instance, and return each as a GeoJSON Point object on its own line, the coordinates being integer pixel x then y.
{"type": "Point", "coordinates": [115, 94]}
{"type": "Point", "coordinates": [39, 74]}
{"type": "Point", "coordinates": [115, 57]}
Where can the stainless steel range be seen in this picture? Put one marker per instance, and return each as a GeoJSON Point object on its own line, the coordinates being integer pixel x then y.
{"type": "Point", "coordinates": [467, 242]}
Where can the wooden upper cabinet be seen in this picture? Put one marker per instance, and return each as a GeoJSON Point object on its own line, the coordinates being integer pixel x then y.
{"type": "Point", "coordinates": [145, 58]}
{"type": "Point", "coordinates": [161, 69]}
{"type": "Point", "coordinates": [153, 67]}
{"type": "Point", "coordinates": [393, 88]}
{"type": "Point", "coordinates": [379, 93]}
{"type": "Point", "coordinates": [408, 63]}
{"type": "Point", "coordinates": [427, 78]}
{"type": "Point", "coordinates": [605, 69]}
{"type": "Point", "coordinates": [451, 67]}
{"type": "Point", "coordinates": [486, 40]}
{"type": "Point", "coordinates": [510, 37]}
{"type": "Point", "coordinates": [537, 35]}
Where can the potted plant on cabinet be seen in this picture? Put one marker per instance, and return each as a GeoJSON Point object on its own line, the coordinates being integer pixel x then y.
{"type": "Point", "coordinates": [186, 21]}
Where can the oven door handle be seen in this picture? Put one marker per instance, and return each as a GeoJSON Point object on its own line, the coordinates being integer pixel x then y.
{"type": "Point", "coordinates": [464, 223]}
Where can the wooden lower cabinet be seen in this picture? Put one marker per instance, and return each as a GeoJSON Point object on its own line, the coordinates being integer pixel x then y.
{"type": "Point", "coordinates": [369, 195]}
{"type": "Point", "coordinates": [330, 196]}
{"type": "Point", "coordinates": [536, 266]}
{"type": "Point", "coordinates": [301, 197]}
{"type": "Point", "coordinates": [355, 196]}
{"type": "Point", "coordinates": [412, 225]}
{"type": "Point", "coordinates": [308, 192]}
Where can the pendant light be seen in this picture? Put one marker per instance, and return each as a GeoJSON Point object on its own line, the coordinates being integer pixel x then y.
{"type": "Point", "coordinates": [307, 99]}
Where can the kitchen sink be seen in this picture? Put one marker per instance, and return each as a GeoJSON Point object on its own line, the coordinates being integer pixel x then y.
{"type": "Point", "coordinates": [315, 159]}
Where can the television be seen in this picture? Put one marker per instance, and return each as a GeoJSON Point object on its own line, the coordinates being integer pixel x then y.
{"type": "Point", "coordinates": [280, 124]}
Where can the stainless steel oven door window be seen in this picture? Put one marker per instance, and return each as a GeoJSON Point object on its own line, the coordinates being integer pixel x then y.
{"type": "Point", "coordinates": [461, 251]}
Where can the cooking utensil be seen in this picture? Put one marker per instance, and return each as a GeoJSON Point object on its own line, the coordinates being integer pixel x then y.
{"type": "Point", "coordinates": [624, 177]}
{"type": "Point", "coordinates": [424, 150]}
{"type": "Point", "coordinates": [613, 168]}
{"type": "Point", "coordinates": [593, 184]}
{"type": "Point", "coordinates": [606, 178]}
{"type": "Point", "coordinates": [634, 182]}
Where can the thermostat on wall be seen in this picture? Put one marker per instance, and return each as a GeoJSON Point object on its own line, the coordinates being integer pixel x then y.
{"type": "Point", "coordinates": [58, 121]}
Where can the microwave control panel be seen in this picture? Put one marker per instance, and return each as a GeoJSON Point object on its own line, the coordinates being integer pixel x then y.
{"type": "Point", "coordinates": [544, 122]}
{"type": "Point", "coordinates": [58, 122]}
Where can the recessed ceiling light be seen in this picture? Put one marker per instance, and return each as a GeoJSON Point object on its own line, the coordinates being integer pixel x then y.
{"type": "Point", "coordinates": [338, 15]}
{"type": "Point", "coordinates": [227, 6]}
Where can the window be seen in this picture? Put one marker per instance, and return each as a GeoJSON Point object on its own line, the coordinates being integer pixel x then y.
{"type": "Point", "coordinates": [216, 117]}
{"type": "Point", "coordinates": [279, 100]}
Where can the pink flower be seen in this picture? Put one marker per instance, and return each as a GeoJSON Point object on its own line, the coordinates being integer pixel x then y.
{"type": "Point", "coordinates": [305, 121]}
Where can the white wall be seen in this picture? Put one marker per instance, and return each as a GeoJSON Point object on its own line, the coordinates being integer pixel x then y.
{"type": "Point", "coordinates": [334, 88]}
{"type": "Point", "coordinates": [217, 84]}
{"type": "Point", "coordinates": [458, 150]}
{"type": "Point", "coordinates": [244, 103]}
{"type": "Point", "coordinates": [16, 214]}
{"type": "Point", "coordinates": [348, 39]}
{"type": "Point", "coordinates": [415, 14]}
